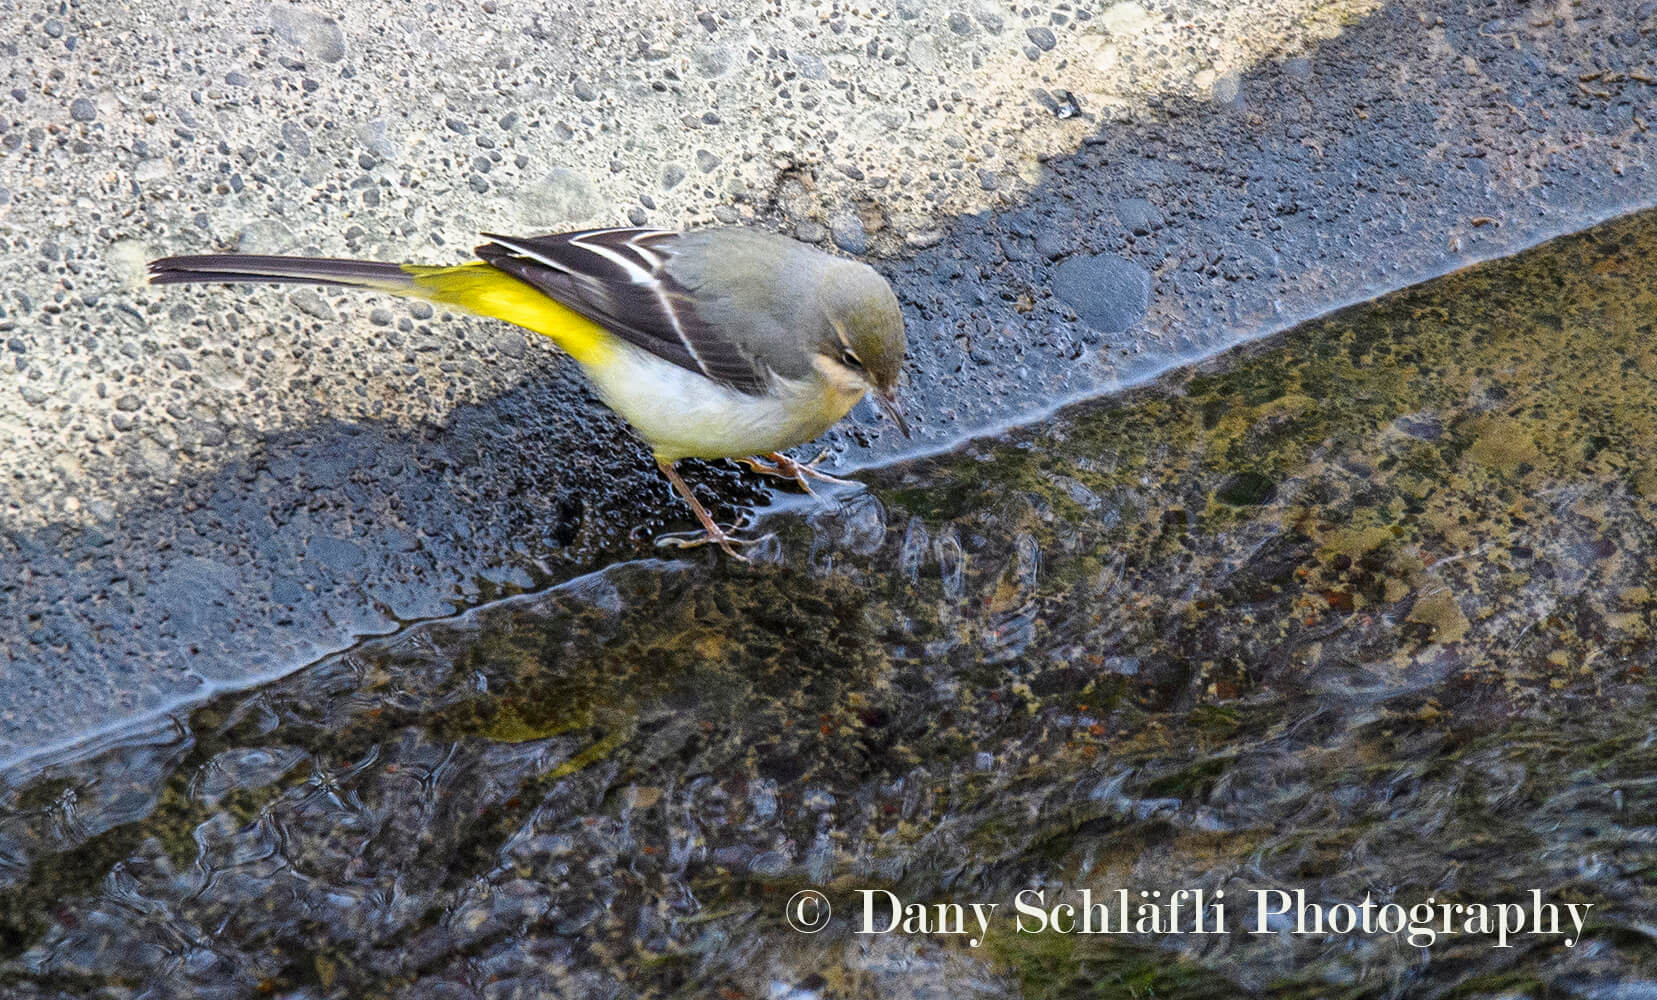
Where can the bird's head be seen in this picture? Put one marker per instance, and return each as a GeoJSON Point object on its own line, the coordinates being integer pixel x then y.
{"type": "Point", "coordinates": [864, 345]}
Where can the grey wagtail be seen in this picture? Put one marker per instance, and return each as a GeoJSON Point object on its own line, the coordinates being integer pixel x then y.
{"type": "Point", "coordinates": [718, 343]}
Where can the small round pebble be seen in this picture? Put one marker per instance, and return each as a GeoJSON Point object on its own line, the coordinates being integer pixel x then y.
{"type": "Point", "coordinates": [1138, 215]}
{"type": "Point", "coordinates": [848, 234]}
{"type": "Point", "coordinates": [1109, 293]}
{"type": "Point", "coordinates": [83, 110]}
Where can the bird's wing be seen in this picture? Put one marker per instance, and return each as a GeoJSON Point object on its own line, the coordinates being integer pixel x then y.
{"type": "Point", "coordinates": [619, 279]}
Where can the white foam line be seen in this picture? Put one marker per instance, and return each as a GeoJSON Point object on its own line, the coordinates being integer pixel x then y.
{"type": "Point", "coordinates": [26, 766]}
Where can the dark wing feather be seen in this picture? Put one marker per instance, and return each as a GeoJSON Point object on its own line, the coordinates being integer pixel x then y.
{"type": "Point", "coordinates": [619, 279]}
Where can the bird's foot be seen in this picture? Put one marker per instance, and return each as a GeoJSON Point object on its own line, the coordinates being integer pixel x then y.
{"type": "Point", "coordinates": [719, 537]}
{"type": "Point", "coordinates": [784, 467]}
{"type": "Point", "coordinates": [711, 531]}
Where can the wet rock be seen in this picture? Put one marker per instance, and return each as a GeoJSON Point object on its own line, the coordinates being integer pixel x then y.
{"type": "Point", "coordinates": [1109, 293]}
{"type": "Point", "coordinates": [1139, 216]}
{"type": "Point", "coordinates": [337, 554]}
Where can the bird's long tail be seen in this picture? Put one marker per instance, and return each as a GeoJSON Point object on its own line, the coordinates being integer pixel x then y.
{"type": "Point", "coordinates": [476, 287]}
{"type": "Point", "coordinates": [230, 267]}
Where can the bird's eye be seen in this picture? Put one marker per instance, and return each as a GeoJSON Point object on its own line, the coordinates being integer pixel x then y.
{"type": "Point", "coordinates": [851, 360]}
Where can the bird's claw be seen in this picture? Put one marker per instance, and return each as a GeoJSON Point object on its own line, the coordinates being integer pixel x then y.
{"type": "Point", "coordinates": [783, 467]}
{"type": "Point", "coordinates": [691, 540]}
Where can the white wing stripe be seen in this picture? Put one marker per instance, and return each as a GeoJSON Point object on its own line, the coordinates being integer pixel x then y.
{"type": "Point", "coordinates": [673, 317]}
{"type": "Point", "coordinates": [523, 251]}
{"type": "Point", "coordinates": [638, 274]}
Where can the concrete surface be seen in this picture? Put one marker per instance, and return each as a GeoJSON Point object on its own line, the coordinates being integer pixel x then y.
{"type": "Point", "coordinates": [212, 486]}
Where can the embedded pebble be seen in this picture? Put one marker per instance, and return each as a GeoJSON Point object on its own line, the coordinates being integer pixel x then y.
{"type": "Point", "coordinates": [313, 32]}
{"type": "Point", "coordinates": [1109, 293]}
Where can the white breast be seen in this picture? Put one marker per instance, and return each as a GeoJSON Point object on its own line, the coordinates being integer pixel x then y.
{"type": "Point", "coordinates": [681, 414]}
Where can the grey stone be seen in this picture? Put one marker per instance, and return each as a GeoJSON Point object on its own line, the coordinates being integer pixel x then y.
{"type": "Point", "coordinates": [1109, 293]}
{"type": "Point", "coordinates": [564, 195]}
{"type": "Point", "coordinates": [312, 32]}
{"type": "Point", "coordinates": [1042, 38]}
{"type": "Point", "coordinates": [848, 233]}
{"type": "Point", "coordinates": [337, 554]}
{"type": "Point", "coordinates": [310, 302]}
{"type": "Point", "coordinates": [1050, 245]}
{"type": "Point", "coordinates": [1139, 216]}
{"type": "Point", "coordinates": [511, 343]}
{"type": "Point", "coordinates": [83, 110]}
{"type": "Point", "coordinates": [810, 66]}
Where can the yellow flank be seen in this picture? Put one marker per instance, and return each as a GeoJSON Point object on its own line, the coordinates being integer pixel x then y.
{"type": "Point", "coordinates": [479, 288]}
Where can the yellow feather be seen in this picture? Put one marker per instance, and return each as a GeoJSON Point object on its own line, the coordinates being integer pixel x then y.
{"type": "Point", "coordinates": [479, 288]}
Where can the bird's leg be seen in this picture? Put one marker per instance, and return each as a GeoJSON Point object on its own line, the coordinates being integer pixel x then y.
{"type": "Point", "coordinates": [715, 533]}
{"type": "Point", "coordinates": [784, 467]}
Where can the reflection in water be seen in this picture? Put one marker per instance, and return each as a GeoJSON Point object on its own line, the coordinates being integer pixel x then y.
{"type": "Point", "coordinates": [1367, 609]}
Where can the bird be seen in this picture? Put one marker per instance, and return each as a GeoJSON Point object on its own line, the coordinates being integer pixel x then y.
{"type": "Point", "coordinates": [723, 342]}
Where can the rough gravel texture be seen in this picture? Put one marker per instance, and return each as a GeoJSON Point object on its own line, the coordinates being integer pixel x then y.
{"type": "Point", "coordinates": [207, 486]}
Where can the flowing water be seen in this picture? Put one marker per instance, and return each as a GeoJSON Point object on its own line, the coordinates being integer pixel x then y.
{"type": "Point", "coordinates": [1366, 610]}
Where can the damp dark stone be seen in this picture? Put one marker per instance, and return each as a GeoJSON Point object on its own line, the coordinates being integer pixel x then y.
{"type": "Point", "coordinates": [1109, 293]}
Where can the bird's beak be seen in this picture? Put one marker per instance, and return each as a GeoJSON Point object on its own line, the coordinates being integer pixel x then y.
{"type": "Point", "coordinates": [887, 400]}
